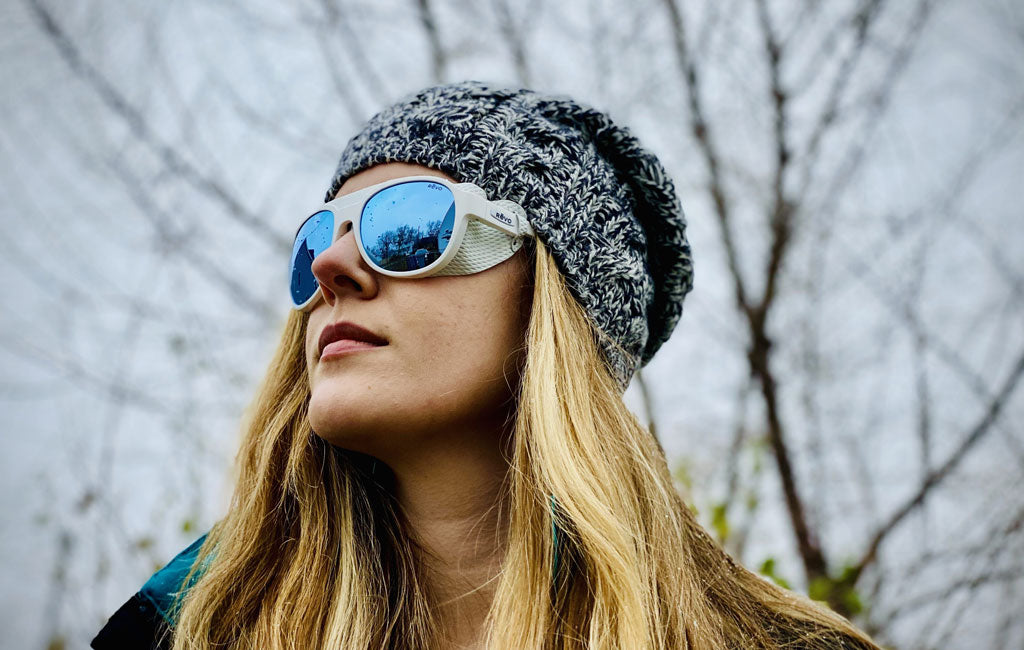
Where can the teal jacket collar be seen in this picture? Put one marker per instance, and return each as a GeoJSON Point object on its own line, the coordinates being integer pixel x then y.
{"type": "Point", "coordinates": [164, 585]}
{"type": "Point", "coordinates": [148, 618]}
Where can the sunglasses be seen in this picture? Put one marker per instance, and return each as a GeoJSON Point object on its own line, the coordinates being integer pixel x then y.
{"type": "Point", "coordinates": [411, 227]}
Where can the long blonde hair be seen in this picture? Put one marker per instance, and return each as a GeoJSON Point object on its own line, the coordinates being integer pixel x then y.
{"type": "Point", "coordinates": [314, 551]}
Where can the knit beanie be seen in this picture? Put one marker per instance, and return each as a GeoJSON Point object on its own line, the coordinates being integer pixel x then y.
{"type": "Point", "coordinates": [602, 204]}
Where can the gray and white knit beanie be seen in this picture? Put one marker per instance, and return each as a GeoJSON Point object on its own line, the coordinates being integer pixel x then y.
{"type": "Point", "coordinates": [601, 203]}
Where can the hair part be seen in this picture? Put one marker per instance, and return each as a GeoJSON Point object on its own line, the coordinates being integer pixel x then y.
{"type": "Point", "coordinates": [314, 551]}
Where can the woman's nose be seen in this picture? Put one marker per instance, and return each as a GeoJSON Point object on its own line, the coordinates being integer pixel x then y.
{"type": "Point", "coordinates": [340, 269]}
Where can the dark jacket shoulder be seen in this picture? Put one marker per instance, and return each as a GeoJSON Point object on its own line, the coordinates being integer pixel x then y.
{"type": "Point", "coordinates": [145, 620]}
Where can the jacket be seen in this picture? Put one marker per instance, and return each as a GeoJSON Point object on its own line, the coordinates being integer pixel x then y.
{"type": "Point", "coordinates": [144, 622]}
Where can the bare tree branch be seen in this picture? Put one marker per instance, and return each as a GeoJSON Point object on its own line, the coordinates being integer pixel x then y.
{"type": "Point", "coordinates": [877, 102]}
{"type": "Point", "coordinates": [936, 476]}
{"type": "Point", "coordinates": [337, 24]}
{"type": "Point", "coordinates": [701, 133]}
{"type": "Point", "coordinates": [184, 245]}
{"type": "Point", "coordinates": [438, 57]}
{"type": "Point", "coordinates": [514, 38]}
{"type": "Point", "coordinates": [171, 158]}
{"type": "Point", "coordinates": [645, 395]}
{"type": "Point", "coordinates": [117, 389]}
{"type": "Point", "coordinates": [861, 23]}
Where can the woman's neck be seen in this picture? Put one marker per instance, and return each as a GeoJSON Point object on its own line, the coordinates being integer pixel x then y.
{"type": "Point", "coordinates": [452, 496]}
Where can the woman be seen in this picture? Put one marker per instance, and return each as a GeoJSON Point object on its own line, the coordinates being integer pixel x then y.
{"type": "Point", "coordinates": [439, 456]}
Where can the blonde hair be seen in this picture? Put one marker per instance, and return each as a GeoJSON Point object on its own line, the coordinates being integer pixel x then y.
{"type": "Point", "coordinates": [314, 552]}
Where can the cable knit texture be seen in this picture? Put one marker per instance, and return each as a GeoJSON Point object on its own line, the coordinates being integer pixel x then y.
{"type": "Point", "coordinates": [603, 205]}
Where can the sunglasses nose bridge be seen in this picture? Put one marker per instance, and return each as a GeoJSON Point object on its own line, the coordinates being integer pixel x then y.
{"type": "Point", "coordinates": [343, 228]}
{"type": "Point", "coordinates": [347, 221]}
{"type": "Point", "coordinates": [340, 270]}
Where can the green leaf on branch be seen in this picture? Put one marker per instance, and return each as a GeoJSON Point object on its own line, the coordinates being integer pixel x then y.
{"type": "Point", "coordinates": [720, 521]}
{"type": "Point", "coordinates": [682, 474]}
{"type": "Point", "coordinates": [838, 592]}
{"type": "Point", "coordinates": [767, 569]}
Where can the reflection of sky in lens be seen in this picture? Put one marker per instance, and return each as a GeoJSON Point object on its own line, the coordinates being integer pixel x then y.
{"type": "Point", "coordinates": [401, 225]}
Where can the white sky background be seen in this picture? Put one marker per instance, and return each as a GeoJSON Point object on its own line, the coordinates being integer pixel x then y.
{"type": "Point", "coordinates": [140, 310]}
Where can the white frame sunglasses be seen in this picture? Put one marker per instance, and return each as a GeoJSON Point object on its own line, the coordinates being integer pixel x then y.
{"type": "Point", "coordinates": [484, 233]}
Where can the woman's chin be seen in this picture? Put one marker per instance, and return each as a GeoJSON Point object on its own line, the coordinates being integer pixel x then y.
{"type": "Point", "coordinates": [345, 421]}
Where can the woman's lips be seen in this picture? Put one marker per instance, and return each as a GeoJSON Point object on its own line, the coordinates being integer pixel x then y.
{"type": "Point", "coordinates": [345, 346]}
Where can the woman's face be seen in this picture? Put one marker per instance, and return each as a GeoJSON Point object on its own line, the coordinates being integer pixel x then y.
{"type": "Point", "coordinates": [451, 341]}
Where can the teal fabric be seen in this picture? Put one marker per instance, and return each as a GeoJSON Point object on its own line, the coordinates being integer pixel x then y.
{"type": "Point", "coordinates": [163, 586]}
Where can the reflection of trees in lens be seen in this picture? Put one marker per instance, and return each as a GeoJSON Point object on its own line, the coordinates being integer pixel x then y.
{"type": "Point", "coordinates": [394, 247]}
{"type": "Point", "coordinates": [433, 228]}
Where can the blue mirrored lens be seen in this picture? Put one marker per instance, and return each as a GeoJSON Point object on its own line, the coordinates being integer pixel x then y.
{"type": "Point", "coordinates": [408, 226]}
{"type": "Point", "coordinates": [312, 239]}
